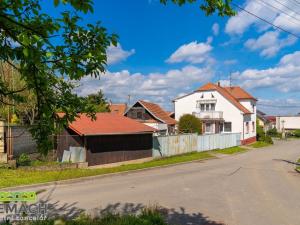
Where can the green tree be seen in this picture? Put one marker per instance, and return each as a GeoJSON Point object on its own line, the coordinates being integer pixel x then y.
{"type": "Point", "coordinates": [50, 53]}
{"type": "Point", "coordinates": [189, 124]}
{"type": "Point", "coordinates": [98, 101]}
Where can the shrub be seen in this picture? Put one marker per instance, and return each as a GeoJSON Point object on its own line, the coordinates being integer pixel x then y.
{"type": "Point", "coordinates": [268, 139]}
{"type": "Point", "coordinates": [23, 160]}
{"type": "Point", "coordinates": [272, 132]}
{"type": "Point", "coordinates": [189, 124]}
{"type": "Point", "coordinates": [296, 133]}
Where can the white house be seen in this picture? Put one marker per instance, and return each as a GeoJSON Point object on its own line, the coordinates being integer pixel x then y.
{"type": "Point", "coordinates": [288, 123]}
{"type": "Point", "coordinates": [221, 109]}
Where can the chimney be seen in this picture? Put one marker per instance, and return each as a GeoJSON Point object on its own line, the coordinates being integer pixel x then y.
{"type": "Point", "coordinates": [219, 84]}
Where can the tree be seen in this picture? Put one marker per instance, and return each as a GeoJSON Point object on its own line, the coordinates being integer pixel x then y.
{"type": "Point", "coordinates": [189, 124]}
{"type": "Point", "coordinates": [50, 53]}
{"type": "Point", "coordinates": [98, 101]}
{"type": "Point", "coordinates": [209, 6]}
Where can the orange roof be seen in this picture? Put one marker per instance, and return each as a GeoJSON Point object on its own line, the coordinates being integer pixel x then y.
{"type": "Point", "coordinates": [107, 124]}
{"type": "Point", "coordinates": [239, 93]}
{"type": "Point", "coordinates": [158, 112]}
{"type": "Point", "coordinates": [118, 108]}
{"type": "Point", "coordinates": [226, 94]}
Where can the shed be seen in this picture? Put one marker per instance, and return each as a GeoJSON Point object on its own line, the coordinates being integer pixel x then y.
{"type": "Point", "coordinates": [107, 139]}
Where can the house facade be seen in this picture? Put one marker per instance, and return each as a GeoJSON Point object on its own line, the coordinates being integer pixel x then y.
{"type": "Point", "coordinates": [287, 123]}
{"type": "Point", "coordinates": [221, 109]}
{"type": "Point", "coordinates": [152, 115]}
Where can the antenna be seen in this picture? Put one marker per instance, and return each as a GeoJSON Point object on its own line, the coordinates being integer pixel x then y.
{"type": "Point", "coordinates": [230, 79]}
{"type": "Point", "coordinates": [129, 96]}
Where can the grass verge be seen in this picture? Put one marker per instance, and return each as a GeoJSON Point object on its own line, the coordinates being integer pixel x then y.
{"type": "Point", "coordinates": [260, 144]}
{"type": "Point", "coordinates": [16, 177]}
{"type": "Point", "coordinates": [298, 166]}
{"type": "Point", "coordinates": [229, 151]}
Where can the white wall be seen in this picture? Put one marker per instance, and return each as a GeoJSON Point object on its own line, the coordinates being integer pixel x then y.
{"type": "Point", "coordinates": [187, 105]}
{"type": "Point", "coordinates": [291, 122]}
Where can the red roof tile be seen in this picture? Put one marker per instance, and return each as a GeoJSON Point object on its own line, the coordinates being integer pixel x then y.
{"type": "Point", "coordinates": [158, 112]}
{"type": "Point", "coordinates": [239, 93]}
{"type": "Point", "coordinates": [108, 124]}
{"type": "Point", "coordinates": [118, 108]}
{"type": "Point", "coordinates": [226, 94]}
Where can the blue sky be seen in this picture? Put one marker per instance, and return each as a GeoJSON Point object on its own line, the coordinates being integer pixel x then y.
{"type": "Point", "coordinates": [167, 51]}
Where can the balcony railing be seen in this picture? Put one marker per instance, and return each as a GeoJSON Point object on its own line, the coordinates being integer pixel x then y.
{"type": "Point", "coordinates": [209, 115]}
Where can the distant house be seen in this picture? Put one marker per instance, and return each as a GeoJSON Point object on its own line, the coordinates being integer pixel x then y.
{"type": "Point", "coordinates": [288, 123]}
{"type": "Point", "coordinates": [271, 121]}
{"type": "Point", "coordinates": [153, 115]}
{"type": "Point", "coordinates": [221, 109]}
{"type": "Point", "coordinates": [108, 139]}
{"type": "Point", "coordinates": [118, 108]}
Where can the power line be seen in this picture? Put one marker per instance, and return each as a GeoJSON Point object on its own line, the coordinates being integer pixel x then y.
{"type": "Point", "coordinates": [279, 106]}
{"type": "Point", "coordinates": [282, 11]}
{"type": "Point", "coordinates": [266, 21]}
{"type": "Point", "coordinates": [287, 7]}
{"type": "Point", "coordinates": [297, 1]}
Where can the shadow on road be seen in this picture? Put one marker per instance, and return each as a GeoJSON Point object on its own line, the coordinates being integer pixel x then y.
{"type": "Point", "coordinates": [179, 216]}
{"type": "Point", "coordinates": [287, 161]}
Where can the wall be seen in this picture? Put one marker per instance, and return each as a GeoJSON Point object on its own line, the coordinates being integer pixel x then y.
{"type": "Point", "coordinates": [187, 105]}
{"type": "Point", "coordinates": [180, 144]}
{"type": "Point", "coordinates": [291, 122]}
{"type": "Point", "coordinates": [3, 155]}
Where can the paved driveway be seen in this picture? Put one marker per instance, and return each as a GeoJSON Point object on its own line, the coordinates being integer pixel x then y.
{"type": "Point", "coordinates": [257, 187]}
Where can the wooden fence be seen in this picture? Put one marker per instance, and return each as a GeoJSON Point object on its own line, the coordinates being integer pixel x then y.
{"type": "Point", "coordinates": [184, 143]}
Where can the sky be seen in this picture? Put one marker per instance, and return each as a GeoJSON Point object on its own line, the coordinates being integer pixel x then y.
{"type": "Point", "coordinates": [168, 51]}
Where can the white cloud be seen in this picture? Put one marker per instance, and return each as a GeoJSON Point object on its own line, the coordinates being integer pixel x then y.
{"type": "Point", "coordinates": [215, 28]}
{"type": "Point", "coordinates": [116, 54]}
{"type": "Point", "coordinates": [279, 106]}
{"type": "Point", "coordinates": [192, 52]}
{"type": "Point", "coordinates": [269, 43]}
{"type": "Point", "coordinates": [156, 87]}
{"type": "Point", "coordinates": [237, 25]}
{"type": "Point", "coordinates": [284, 77]}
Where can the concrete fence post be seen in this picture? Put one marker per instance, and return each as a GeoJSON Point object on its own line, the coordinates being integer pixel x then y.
{"type": "Point", "coordinates": [3, 155]}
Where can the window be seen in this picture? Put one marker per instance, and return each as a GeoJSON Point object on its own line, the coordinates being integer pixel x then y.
{"type": "Point", "coordinates": [253, 126]}
{"type": "Point", "coordinates": [227, 127]}
{"type": "Point", "coordinates": [253, 108]}
{"type": "Point", "coordinates": [139, 115]}
{"type": "Point", "coordinates": [247, 127]}
{"type": "Point", "coordinates": [206, 107]}
{"type": "Point", "coordinates": [208, 127]}
{"type": "Point", "coordinates": [212, 107]}
{"type": "Point", "coordinates": [202, 107]}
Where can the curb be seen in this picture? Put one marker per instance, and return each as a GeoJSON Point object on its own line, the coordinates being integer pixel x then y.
{"type": "Point", "coordinates": [88, 178]}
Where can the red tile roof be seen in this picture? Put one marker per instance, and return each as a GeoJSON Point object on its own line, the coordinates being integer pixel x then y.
{"type": "Point", "coordinates": [107, 124]}
{"type": "Point", "coordinates": [271, 118]}
{"type": "Point", "coordinates": [226, 94]}
{"type": "Point", "coordinates": [158, 112]}
{"type": "Point", "coordinates": [239, 93]}
{"type": "Point", "coordinates": [118, 108]}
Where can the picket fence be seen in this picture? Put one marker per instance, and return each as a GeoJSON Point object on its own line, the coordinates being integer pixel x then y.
{"type": "Point", "coordinates": [184, 143]}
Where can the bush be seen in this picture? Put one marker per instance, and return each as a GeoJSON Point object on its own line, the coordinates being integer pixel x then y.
{"type": "Point", "coordinates": [272, 132]}
{"type": "Point", "coordinates": [268, 139]}
{"type": "Point", "coordinates": [189, 124]}
{"type": "Point", "coordinates": [296, 133]}
{"type": "Point", "coordinates": [147, 217]}
{"type": "Point", "coordinates": [23, 160]}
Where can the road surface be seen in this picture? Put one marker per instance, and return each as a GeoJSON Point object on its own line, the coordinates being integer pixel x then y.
{"type": "Point", "coordinates": [259, 187]}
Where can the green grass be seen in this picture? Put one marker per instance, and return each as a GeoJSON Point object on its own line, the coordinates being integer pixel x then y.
{"type": "Point", "coordinates": [298, 167]}
{"type": "Point", "coordinates": [16, 177]}
{"type": "Point", "coordinates": [260, 144]}
{"type": "Point", "coordinates": [229, 151]}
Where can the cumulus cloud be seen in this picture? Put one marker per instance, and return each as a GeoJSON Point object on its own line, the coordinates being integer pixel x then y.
{"type": "Point", "coordinates": [116, 54]}
{"type": "Point", "coordinates": [215, 29]}
{"type": "Point", "coordinates": [192, 52]}
{"type": "Point", "coordinates": [269, 44]}
{"type": "Point", "coordinates": [284, 77]}
{"type": "Point", "coordinates": [157, 87]}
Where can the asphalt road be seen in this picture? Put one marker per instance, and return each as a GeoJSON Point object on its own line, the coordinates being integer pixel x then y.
{"type": "Point", "coordinates": [259, 187]}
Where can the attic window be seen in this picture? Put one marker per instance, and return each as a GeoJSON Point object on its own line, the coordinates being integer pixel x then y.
{"type": "Point", "coordinates": [212, 96]}
{"type": "Point", "coordinates": [202, 96]}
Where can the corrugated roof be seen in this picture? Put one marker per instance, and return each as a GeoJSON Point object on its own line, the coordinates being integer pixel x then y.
{"type": "Point", "coordinates": [226, 94]}
{"type": "Point", "coordinates": [118, 108]}
{"type": "Point", "coordinates": [158, 112]}
{"type": "Point", "coordinates": [107, 124]}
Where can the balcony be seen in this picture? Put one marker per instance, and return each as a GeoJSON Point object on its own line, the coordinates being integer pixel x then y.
{"type": "Point", "coordinates": [209, 115]}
